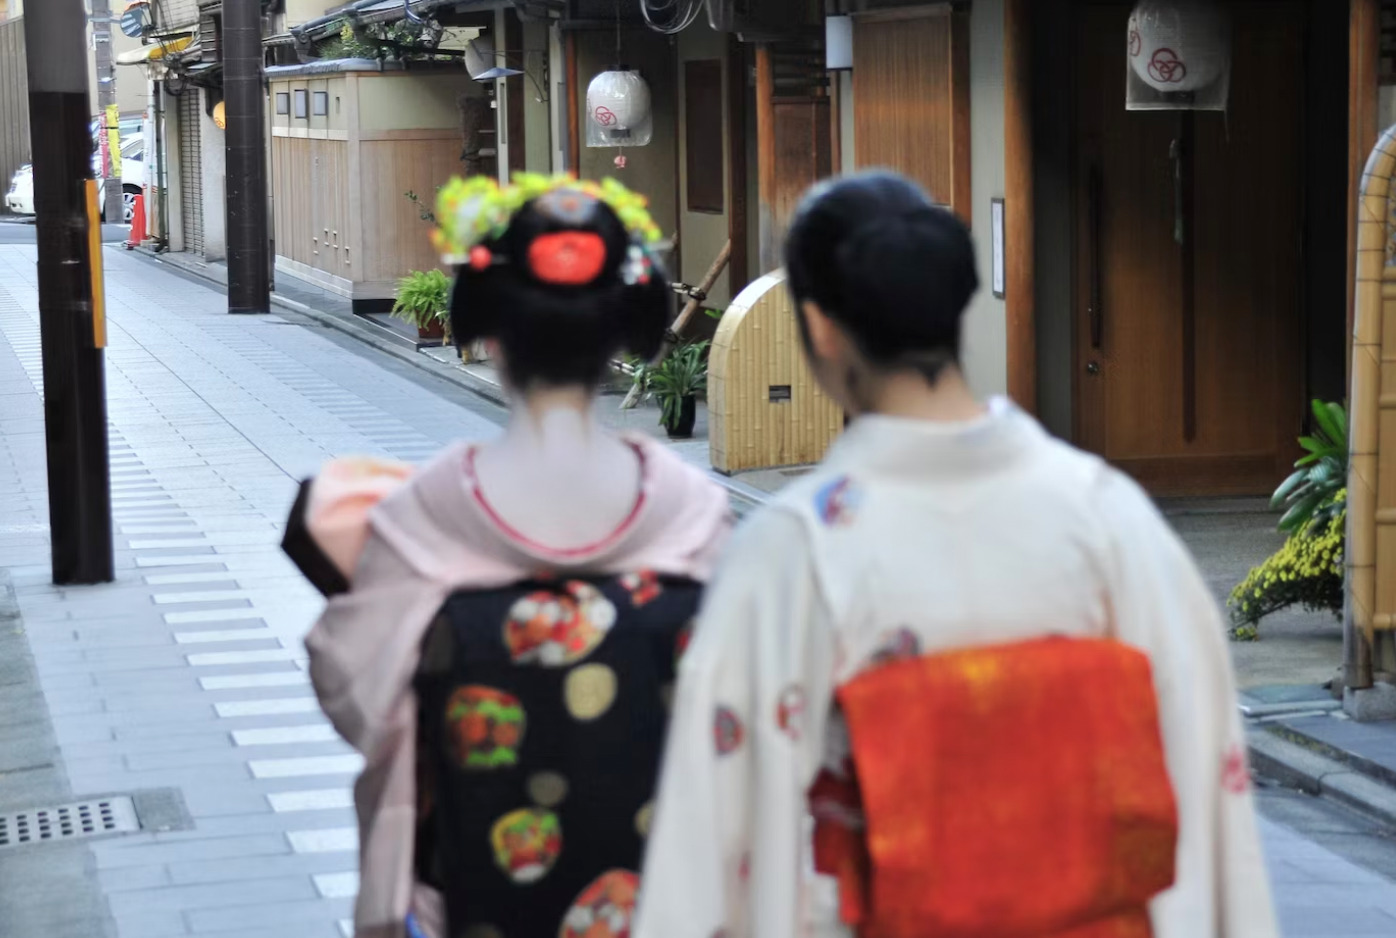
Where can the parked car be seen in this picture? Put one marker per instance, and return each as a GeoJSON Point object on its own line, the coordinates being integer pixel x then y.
{"type": "Point", "coordinates": [132, 174]}
{"type": "Point", "coordinates": [20, 198]}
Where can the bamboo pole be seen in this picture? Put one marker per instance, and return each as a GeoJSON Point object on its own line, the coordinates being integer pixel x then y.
{"type": "Point", "coordinates": [690, 308]}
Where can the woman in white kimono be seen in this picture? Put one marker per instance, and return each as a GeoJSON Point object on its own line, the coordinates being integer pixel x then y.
{"type": "Point", "coordinates": [937, 523]}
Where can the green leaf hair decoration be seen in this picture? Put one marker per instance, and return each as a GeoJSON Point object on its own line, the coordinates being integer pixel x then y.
{"type": "Point", "coordinates": [472, 211]}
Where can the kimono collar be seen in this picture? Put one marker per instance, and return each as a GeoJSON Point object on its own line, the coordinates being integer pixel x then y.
{"type": "Point", "coordinates": [942, 450]}
{"type": "Point", "coordinates": [439, 526]}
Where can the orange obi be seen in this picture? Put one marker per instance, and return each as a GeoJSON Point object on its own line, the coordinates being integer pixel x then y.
{"type": "Point", "coordinates": [1013, 791]}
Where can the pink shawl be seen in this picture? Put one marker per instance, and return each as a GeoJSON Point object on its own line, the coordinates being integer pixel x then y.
{"type": "Point", "coordinates": [406, 541]}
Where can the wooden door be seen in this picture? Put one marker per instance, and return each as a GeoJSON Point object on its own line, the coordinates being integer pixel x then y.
{"type": "Point", "coordinates": [1187, 263]}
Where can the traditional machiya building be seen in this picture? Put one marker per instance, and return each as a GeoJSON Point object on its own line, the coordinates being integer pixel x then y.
{"type": "Point", "coordinates": [1173, 258]}
{"type": "Point", "coordinates": [1180, 247]}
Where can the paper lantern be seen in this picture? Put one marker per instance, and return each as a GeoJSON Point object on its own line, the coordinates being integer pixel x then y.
{"type": "Point", "coordinates": [1179, 45]}
{"type": "Point", "coordinates": [618, 110]}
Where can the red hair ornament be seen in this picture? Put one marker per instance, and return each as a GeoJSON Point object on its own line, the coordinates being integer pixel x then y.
{"type": "Point", "coordinates": [567, 258]}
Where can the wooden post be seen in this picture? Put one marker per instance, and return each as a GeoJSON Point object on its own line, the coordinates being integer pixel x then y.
{"type": "Point", "coordinates": [1020, 301]}
{"type": "Point", "coordinates": [961, 162]}
{"type": "Point", "coordinates": [574, 129]}
{"type": "Point", "coordinates": [514, 96]}
{"type": "Point", "coordinates": [769, 248]}
{"type": "Point", "coordinates": [1364, 35]}
{"type": "Point", "coordinates": [736, 164]}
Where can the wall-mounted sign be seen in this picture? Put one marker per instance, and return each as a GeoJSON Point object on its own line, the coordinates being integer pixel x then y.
{"type": "Point", "coordinates": [220, 116]}
{"type": "Point", "coordinates": [135, 18]}
{"type": "Point", "coordinates": [996, 227]}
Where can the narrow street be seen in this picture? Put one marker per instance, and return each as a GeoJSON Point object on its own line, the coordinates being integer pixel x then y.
{"type": "Point", "coordinates": [183, 684]}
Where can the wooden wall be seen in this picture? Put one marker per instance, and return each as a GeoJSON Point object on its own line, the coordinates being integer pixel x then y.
{"type": "Point", "coordinates": [395, 239]}
{"type": "Point", "coordinates": [794, 140]}
{"type": "Point", "coordinates": [911, 94]}
{"type": "Point", "coordinates": [14, 101]}
{"type": "Point", "coordinates": [340, 179]}
{"type": "Point", "coordinates": [311, 187]}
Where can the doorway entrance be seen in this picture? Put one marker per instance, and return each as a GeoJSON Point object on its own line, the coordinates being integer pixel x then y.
{"type": "Point", "coordinates": [1187, 262]}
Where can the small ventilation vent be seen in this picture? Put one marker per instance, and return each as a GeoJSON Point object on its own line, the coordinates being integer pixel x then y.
{"type": "Point", "coordinates": [68, 822]}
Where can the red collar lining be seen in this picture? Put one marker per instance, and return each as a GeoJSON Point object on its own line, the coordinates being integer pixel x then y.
{"type": "Point", "coordinates": [513, 533]}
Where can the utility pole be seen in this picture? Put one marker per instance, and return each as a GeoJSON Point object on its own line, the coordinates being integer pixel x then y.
{"type": "Point", "coordinates": [249, 267]}
{"type": "Point", "coordinates": [106, 96]}
{"type": "Point", "coordinates": [72, 324]}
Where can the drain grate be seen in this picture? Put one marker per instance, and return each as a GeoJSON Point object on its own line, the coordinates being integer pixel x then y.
{"type": "Point", "coordinates": [68, 822]}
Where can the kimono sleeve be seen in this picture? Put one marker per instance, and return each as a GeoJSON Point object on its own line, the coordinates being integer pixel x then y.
{"type": "Point", "coordinates": [328, 524]}
{"type": "Point", "coordinates": [1160, 603]}
{"type": "Point", "coordinates": [726, 851]}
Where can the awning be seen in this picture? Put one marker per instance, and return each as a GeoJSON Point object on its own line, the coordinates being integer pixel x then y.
{"type": "Point", "coordinates": [156, 51]}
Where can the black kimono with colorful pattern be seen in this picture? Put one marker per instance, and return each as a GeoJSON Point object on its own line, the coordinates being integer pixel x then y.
{"type": "Point", "coordinates": [542, 713]}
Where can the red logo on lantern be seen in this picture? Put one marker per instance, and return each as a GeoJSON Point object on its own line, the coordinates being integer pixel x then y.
{"type": "Point", "coordinates": [604, 116]}
{"type": "Point", "coordinates": [1165, 67]}
{"type": "Point", "coordinates": [1136, 43]}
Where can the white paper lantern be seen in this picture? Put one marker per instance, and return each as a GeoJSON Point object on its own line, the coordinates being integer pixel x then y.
{"type": "Point", "coordinates": [1179, 45]}
{"type": "Point", "coordinates": [618, 110]}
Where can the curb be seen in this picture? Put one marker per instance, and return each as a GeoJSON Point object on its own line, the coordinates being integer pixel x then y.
{"type": "Point", "coordinates": [1353, 762]}
{"type": "Point", "coordinates": [1313, 772]}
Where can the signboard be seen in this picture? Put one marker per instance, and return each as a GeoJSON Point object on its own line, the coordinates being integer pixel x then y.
{"type": "Point", "coordinates": [135, 18]}
{"type": "Point", "coordinates": [996, 229]}
{"type": "Point", "coordinates": [113, 139]}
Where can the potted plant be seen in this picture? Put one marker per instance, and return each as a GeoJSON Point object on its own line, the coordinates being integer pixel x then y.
{"type": "Point", "coordinates": [676, 383]}
{"type": "Point", "coordinates": [422, 300]}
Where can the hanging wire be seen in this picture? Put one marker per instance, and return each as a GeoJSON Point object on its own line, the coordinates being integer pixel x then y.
{"type": "Point", "coordinates": [670, 16]}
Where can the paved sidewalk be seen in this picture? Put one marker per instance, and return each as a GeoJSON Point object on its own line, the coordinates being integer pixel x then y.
{"type": "Point", "coordinates": [187, 674]}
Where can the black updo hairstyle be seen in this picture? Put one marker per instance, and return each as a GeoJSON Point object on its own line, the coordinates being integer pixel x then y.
{"type": "Point", "coordinates": [554, 334]}
{"type": "Point", "coordinates": [893, 269]}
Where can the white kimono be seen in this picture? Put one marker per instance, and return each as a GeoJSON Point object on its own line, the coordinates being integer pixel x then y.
{"type": "Point", "coordinates": [944, 536]}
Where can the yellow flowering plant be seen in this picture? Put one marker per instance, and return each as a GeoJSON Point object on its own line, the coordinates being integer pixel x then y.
{"type": "Point", "coordinates": [1307, 571]}
{"type": "Point", "coordinates": [472, 211]}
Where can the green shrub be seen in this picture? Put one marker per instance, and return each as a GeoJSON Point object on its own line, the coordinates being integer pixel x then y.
{"type": "Point", "coordinates": [1307, 571]}
{"type": "Point", "coordinates": [422, 298]}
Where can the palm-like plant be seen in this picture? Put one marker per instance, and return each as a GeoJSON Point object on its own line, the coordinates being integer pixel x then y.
{"type": "Point", "coordinates": [682, 374]}
{"type": "Point", "coordinates": [1310, 494]}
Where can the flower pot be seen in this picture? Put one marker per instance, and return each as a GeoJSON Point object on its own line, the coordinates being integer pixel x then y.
{"type": "Point", "coordinates": [434, 331]}
{"type": "Point", "coordinates": [688, 414]}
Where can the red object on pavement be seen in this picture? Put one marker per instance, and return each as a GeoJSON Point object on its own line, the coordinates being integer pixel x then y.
{"type": "Point", "coordinates": [137, 223]}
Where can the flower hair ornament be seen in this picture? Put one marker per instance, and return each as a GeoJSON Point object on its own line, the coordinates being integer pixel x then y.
{"type": "Point", "coordinates": [471, 213]}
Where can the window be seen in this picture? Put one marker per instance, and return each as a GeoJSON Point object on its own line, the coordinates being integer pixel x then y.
{"type": "Point", "coordinates": [322, 103]}
{"type": "Point", "coordinates": [702, 96]}
{"type": "Point", "coordinates": [133, 149]}
{"type": "Point", "coordinates": [283, 102]}
{"type": "Point", "coordinates": [302, 104]}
